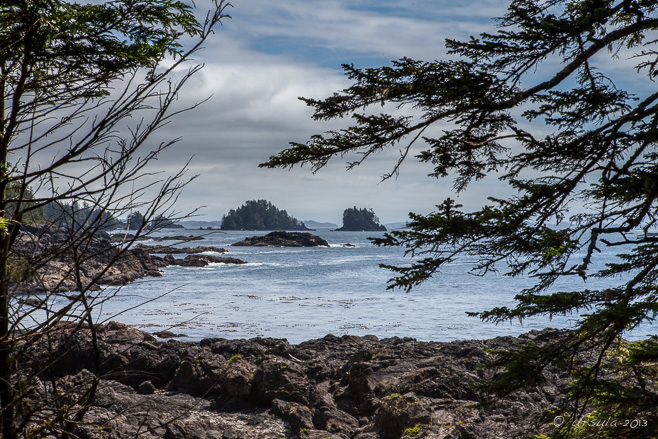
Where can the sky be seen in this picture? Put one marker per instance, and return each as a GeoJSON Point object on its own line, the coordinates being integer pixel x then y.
{"type": "Point", "coordinates": [267, 55]}
{"type": "Point", "coordinates": [270, 53]}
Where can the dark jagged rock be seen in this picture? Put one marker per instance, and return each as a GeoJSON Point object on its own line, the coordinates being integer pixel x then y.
{"type": "Point", "coordinates": [146, 388]}
{"type": "Point", "coordinates": [56, 261]}
{"type": "Point", "coordinates": [167, 249]}
{"type": "Point", "coordinates": [168, 334]}
{"type": "Point", "coordinates": [282, 238]}
{"type": "Point", "coordinates": [121, 412]}
{"type": "Point", "coordinates": [202, 260]}
{"type": "Point", "coordinates": [339, 387]}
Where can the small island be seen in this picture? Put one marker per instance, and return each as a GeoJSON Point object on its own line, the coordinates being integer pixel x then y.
{"type": "Point", "coordinates": [282, 238]}
{"type": "Point", "coordinates": [260, 215]}
{"type": "Point", "coordinates": [358, 220]}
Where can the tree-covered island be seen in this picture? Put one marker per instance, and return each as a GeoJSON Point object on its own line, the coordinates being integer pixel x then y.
{"type": "Point", "coordinates": [260, 215]}
{"type": "Point", "coordinates": [357, 220]}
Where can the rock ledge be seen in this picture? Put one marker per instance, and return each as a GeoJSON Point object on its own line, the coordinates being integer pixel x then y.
{"type": "Point", "coordinates": [339, 387]}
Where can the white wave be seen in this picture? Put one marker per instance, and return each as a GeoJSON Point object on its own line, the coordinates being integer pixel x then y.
{"type": "Point", "coordinates": [213, 265]}
{"type": "Point", "coordinates": [347, 260]}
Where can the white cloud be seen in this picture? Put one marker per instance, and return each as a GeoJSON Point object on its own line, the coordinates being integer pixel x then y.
{"type": "Point", "coordinates": [386, 29]}
{"type": "Point", "coordinates": [254, 111]}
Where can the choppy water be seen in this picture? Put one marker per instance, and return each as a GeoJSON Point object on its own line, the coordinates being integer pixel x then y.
{"type": "Point", "coordinates": [305, 293]}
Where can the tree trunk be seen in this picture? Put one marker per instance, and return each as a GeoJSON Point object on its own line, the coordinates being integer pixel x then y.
{"type": "Point", "coordinates": [6, 364]}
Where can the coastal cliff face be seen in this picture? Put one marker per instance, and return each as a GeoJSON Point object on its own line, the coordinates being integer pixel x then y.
{"type": "Point", "coordinates": [334, 387]}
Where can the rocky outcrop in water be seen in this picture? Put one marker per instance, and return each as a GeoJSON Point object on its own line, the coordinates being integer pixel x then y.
{"type": "Point", "coordinates": [167, 249]}
{"type": "Point", "coordinates": [334, 387]}
{"type": "Point", "coordinates": [201, 260]}
{"type": "Point", "coordinates": [284, 239]}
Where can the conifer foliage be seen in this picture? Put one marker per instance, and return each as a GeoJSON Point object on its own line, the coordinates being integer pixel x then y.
{"type": "Point", "coordinates": [260, 215]}
{"type": "Point", "coordinates": [355, 219]}
{"type": "Point", "coordinates": [560, 103]}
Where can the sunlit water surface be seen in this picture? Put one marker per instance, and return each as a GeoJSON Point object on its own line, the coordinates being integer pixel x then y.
{"type": "Point", "coordinates": [305, 293]}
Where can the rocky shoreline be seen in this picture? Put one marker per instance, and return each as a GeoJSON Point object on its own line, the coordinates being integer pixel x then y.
{"type": "Point", "coordinates": [50, 264]}
{"type": "Point", "coordinates": [48, 259]}
{"type": "Point", "coordinates": [264, 388]}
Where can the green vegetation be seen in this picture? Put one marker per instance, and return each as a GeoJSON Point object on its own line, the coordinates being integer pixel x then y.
{"type": "Point", "coordinates": [412, 431]}
{"type": "Point", "coordinates": [70, 215]}
{"type": "Point", "coordinates": [539, 105]}
{"type": "Point", "coordinates": [19, 197]}
{"type": "Point", "coordinates": [260, 215]}
{"type": "Point", "coordinates": [135, 220]}
{"type": "Point", "coordinates": [355, 219]}
{"type": "Point", "coordinates": [18, 269]}
{"type": "Point", "coordinates": [78, 215]}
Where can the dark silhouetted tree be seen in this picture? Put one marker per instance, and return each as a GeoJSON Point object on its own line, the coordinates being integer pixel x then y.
{"type": "Point", "coordinates": [84, 86]}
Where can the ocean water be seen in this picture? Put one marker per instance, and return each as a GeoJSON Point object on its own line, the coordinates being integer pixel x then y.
{"type": "Point", "coordinates": [305, 293]}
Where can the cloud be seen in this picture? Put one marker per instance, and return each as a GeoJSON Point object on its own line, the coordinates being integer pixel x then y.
{"type": "Point", "coordinates": [373, 29]}
{"type": "Point", "coordinates": [257, 65]}
{"type": "Point", "coordinates": [254, 111]}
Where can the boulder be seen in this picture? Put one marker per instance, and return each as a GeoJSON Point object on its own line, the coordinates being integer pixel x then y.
{"type": "Point", "coordinates": [146, 388]}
